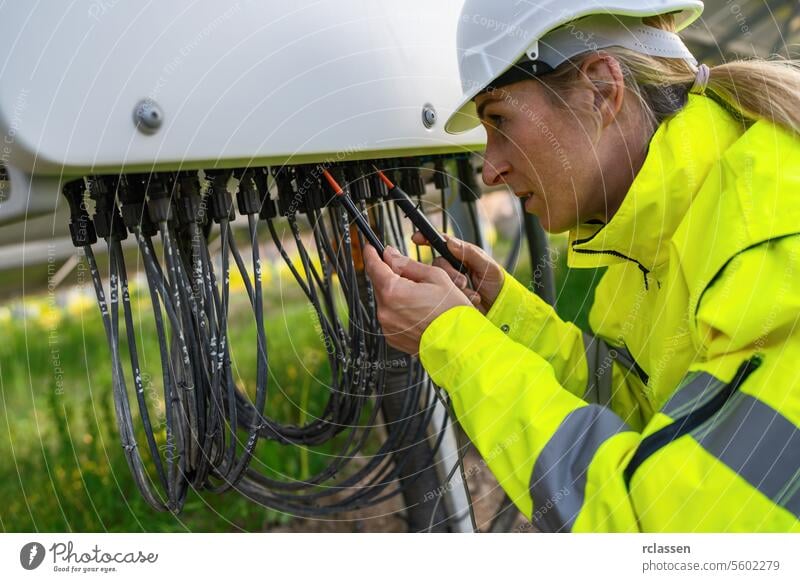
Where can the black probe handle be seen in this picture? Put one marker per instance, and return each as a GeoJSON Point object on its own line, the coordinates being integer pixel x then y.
{"type": "Point", "coordinates": [419, 220]}
{"type": "Point", "coordinates": [362, 223]}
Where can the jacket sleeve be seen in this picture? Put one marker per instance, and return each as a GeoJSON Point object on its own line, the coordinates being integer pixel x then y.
{"type": "Point", "coordinates": [584, 363]}
{"type": "Point", "coordinates": [570, 465]}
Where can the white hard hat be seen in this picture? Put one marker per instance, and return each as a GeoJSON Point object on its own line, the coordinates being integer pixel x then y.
{"type": "Point", "coordinates": [520, 39]}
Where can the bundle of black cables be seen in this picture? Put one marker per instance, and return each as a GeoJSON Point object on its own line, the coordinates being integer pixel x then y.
{"type": "Point", "coordinates": [210, 425]}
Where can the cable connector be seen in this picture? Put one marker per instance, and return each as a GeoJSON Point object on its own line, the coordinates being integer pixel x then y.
{"type": "Point", "coordinates": [411, 179]}
{"type": "Point", "coordinates": [268, 209]}
{"type": "Point", "coordinates": [81, 227]}
{"type": "Point", "coordinates": [440, 178]}
{"type": "Point", "coordinates": [159, 197]}
{"type": "Point", "coordinates": [309, 187]}
{"type": "Point", "coordinates": [359, 188]}
{"type": "Point", "coordinates": [288, 202]}
{"type": "Point", "coordinates": [377, 187]}
{"type": "Point", "coordinates": [188, 202]}
{"type": "Point", "coordinates": [468, 188]}
{"type": "Point", "coordinates": [108, 221]}
{"type": "Point", "coordinates": [247, 198]}
{"type": "Point", "coordinates": [219, 197]}
{"type": "Point", "coordinates": [131, 196]}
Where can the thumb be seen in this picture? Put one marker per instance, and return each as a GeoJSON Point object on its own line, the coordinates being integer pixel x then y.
{"type": "Point", "coordinates": [410, 269]}
{"type": "Point", "coordinates": [379, 272]}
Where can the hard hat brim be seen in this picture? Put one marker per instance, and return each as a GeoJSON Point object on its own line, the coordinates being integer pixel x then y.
{"type": "Point", "coordinates": [464, 116]}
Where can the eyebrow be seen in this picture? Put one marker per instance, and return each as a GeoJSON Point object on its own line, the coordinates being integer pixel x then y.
{"type": "Point", "coordinates": [483, 105]}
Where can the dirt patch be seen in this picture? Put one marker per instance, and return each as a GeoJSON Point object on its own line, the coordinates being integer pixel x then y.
{"type": "Point", "coordinates": [388, 516]}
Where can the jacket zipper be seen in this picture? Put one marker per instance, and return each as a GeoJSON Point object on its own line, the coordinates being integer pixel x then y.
{"type": "Point", "coordinates": [690, 421]}
{"type": "Point", "coordinates": [645, 271]}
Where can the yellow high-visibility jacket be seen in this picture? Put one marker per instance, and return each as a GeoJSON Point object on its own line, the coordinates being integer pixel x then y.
{"type": "Point", "coordinates": [680, 412]}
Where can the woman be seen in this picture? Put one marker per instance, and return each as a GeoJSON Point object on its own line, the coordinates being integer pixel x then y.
{"type": "Point", "coordinates": [680, 412]}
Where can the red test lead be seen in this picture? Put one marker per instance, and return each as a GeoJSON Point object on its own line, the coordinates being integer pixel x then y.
{"type": "Point", "coordinates": [416, 216]}
{"type": "Point", "coordinates": [354, 213]}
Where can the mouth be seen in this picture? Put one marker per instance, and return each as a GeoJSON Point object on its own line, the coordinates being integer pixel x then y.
{"type": "Point", "coordinates": [523, 194]}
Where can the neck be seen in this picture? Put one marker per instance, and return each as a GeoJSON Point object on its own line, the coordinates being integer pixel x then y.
{"type": "Point", "coordinates": [629, 152]}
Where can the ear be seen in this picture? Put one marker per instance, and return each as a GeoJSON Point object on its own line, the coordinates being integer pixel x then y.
{"type": "Point", "coordinates": [608, 85]}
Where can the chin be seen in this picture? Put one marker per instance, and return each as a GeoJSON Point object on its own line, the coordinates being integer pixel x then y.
{"type": "Point", "coordinates": [551, 224]}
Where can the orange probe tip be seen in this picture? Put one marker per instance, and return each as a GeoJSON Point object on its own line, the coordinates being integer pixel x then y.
{"type": "Point", "coordinates": [332, 181]}
{"type": "Point", "coordinates": [383, 177]}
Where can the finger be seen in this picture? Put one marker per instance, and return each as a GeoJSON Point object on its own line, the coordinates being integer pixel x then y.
{"type": "Point", "coordinates": [473, 296]}
{"type": "Point", "coordinates": [471, 255]}
{"type": "Point", "coordinates": [409, 269]}
{"type": "Point", "coordinates": [378, 271]}
{"type": "Point", "coordinates": [419, 239]}
{"type": "Point", "coordinates": [458, 278]}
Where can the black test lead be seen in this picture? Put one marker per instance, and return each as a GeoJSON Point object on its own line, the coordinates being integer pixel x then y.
{"type": "Point", "coordinates": [355, 213]}
{"type": "Point", "coordinates": [419, 220]}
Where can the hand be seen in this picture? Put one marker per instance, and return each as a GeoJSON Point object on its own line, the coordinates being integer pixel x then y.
{"type": "Point", "coordinates": [410, 296]}
{"type": "Point", "coordinates": [487, 276]}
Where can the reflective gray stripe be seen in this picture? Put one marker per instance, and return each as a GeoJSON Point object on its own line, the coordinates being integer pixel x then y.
{"type": "Point", "coordinates": [695, 390]}
{"type": "Point", "coordinates": [760, 444]}
{"type": "Point", "coordinates": [558, 481]}
{"type": "Point", "coordinates": [599, 360]}
{"type": "Point", "coordinates": [600, 357]}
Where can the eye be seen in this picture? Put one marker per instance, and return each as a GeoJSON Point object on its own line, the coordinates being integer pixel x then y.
{"type": "Point", "coordinates": [495, 121]}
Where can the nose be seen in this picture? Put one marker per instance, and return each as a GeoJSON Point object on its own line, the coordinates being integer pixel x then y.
{"type": "Point", "coordinates": [494, 170]}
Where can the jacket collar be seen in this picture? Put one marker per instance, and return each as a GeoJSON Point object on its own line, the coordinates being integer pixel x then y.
{"type": "Point", "coordinates": [673, 172]}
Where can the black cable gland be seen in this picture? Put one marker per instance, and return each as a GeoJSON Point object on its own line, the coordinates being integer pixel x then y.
{"type": "Point", "coordinates": [377, 188]}
{"type": "Point", "coordinates": [469, 191]}
{"type": "Point", "coordinates": [316, 198]}
{"type": "Point", "coordinates": [131, 197]}
{"type": "Point", "coordinates": [247, 198]}
{"type": "Point", "coordinates": [261, 180]}
{"type": "Point", "coordinates": [440, 177]}
{"type": "Point", "coordinates": [418, 182]}
{"type": "Point", "coordinates": [288, 201]}
{"type": "Point", "coordinates": [158, 209]}
{"type": "Point", "coordinates": [220, 201]}
{"type": "Point", "coordinates": [109, 224]}
{"type": "Point", "coordinates": [358, 188]}
{"type": "Point", "coordinates": [81, 227]}
{"type": "Point", "coordinates": [102, 193]}
{"type": "Point", "coordinates": [158, 199]}
{"type": "Point", "coordinates": [108, 221]}
{"type": "Point", "coordinates": [267, 207]}
{"type": "Point", "coordinates": [188, 207]}
{"type": "Point", "coordinates": [309, 187]}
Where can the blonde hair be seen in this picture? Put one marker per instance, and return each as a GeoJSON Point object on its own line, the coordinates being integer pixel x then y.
{"type": "Point", "coordinates": [751, 89]}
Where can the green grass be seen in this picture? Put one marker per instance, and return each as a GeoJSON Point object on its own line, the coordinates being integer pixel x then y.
{"type": "Point", "coordinates": [574, 287]}
{"type": "Point", "coordinates": [63, 467]}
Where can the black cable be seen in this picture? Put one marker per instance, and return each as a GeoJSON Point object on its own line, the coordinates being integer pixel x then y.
{"type": "Point", "coordinates": [211, 425]}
